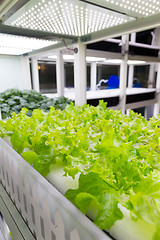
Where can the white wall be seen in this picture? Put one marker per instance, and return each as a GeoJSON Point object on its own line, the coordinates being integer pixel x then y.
{"type": "Point", "coordinates": [14, 73]}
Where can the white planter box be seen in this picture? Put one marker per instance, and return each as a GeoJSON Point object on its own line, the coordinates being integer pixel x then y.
{"type": "Point", "coordinates": [48, 213]}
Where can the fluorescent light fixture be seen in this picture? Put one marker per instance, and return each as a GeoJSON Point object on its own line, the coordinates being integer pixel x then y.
{"type": "Point", "coordinates": [119, 61]}
{"type": "Point", "coordinates": [71, 17]}
{"type": "Point", "coordinates": [52, 57]}
{"type": "Point", "coordinates": [95, 59]}
{"type": "Point", "coordinates": [114, 61]}
{"type": "Point", "coordinates": [65, 57]}
{"type": "Point", "coordinates": [18, 45]}
{"type": "Point", "coordinates": [134, 62]}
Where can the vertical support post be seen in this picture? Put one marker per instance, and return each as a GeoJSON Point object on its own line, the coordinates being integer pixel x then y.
{"type": "Point", "coordinates": [99, 73]}
{"type": "Point", "coordinates": [157, 104]}
{"type": "Point", "coordinates": [60, 74]}
{"type": "Point", "coordinates": [151, 75]}
{"type": "Point", "coordinates": [131, 67]}
{"type": "Point", "coordinates": [35, 74]}
{"type": "Point", "coordinates": [130, 75]}
{"type": "Point", "coordinates": [155, 37]}
{"type": "Point", "coordinates": [93, 76]}
{"type": "Point", "coordinates": [26, 73]}
{"type": "Point", "coordinates": [133, 37]}
{"type": "Point", "coordinates": [80, 74]}
{"type": "Point", "coordinates": [153, 109]}
{"type": "Point", "coordinates": [123, 73]}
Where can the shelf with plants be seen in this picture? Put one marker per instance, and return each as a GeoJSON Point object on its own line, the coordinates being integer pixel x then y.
{"type": "Point", "coordinates": [13, 100]}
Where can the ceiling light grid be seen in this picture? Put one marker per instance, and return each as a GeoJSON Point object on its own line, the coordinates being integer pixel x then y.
{"type": "Point", "coordinates": [17, 45]}
{"type": "Point", "coordinates": [136, 8]}
{"type": "Point", "coordinates": [70, 17]}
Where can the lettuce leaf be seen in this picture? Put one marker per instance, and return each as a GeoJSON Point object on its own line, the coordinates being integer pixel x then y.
{"type": "Point", "coordinates": [92, 188]}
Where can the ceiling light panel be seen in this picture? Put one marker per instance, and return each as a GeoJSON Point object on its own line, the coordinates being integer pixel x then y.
{"type": "Point", "coordinates": [138, 8]}
{"type": "Point", "coordinates": [18, 45]}
{"type": "Point", "coordinates": [135, 8]}
{"type": "Point", "coordinates": [70, 17]}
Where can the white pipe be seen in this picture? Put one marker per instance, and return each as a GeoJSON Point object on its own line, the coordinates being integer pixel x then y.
{"type": "Point", "coordinates": [144, 45]}
{"type": "Point", "coordinates": [100, 82]}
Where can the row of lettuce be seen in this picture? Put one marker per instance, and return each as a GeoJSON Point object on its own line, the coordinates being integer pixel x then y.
{"type": "Point", "coordinates": [13, 100]}
{"type": "Point", "coordinates": [117, 157]}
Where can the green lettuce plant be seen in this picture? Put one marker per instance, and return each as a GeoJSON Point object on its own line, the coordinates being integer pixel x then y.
{"type": "Point", "coordinates": [115, 157]}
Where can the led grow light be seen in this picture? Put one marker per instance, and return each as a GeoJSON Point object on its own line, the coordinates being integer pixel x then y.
{"type": "Point", "coordinates": [136, 8]}
{"type": "Point", "coordinates": [17, 45]}
{"type": "Point", "coordinates": [70, 17]}
{"type": "Point", "coordinates": [141, 8]}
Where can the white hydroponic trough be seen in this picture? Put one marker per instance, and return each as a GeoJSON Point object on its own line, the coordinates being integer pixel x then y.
{"type": "Point", "coordinates": [49, 215]}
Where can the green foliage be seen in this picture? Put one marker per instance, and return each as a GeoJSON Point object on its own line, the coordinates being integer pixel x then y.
{"type": "Point", "coordinates": [13, 100]}
{"type": "Point", "coordinates": [30, 156]}
{"type": "Point", "coordinates": [93, 188]}
{"type": "Point", "coordinates": [116, 156]}
{"type": "Point", "coordinates": [11, 235]}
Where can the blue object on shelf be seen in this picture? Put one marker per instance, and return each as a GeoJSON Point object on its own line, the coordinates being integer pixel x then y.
{"type": "Point", "coordinates": [113, 82]}
{"type": "Point", "coordinates": [137, 85]}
